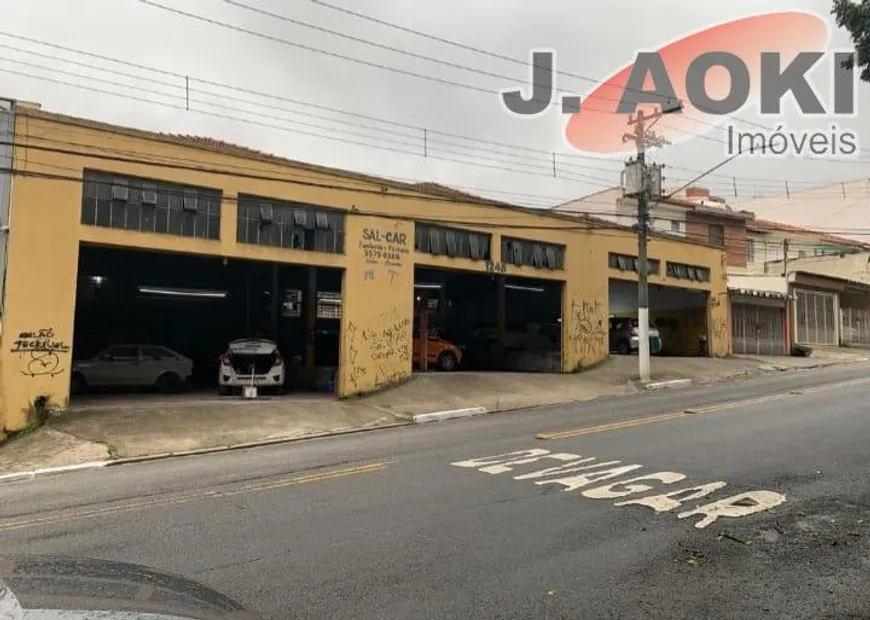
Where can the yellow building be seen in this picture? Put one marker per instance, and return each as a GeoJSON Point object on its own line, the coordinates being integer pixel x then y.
{"type": "Point", "coordinates": [77, 188]}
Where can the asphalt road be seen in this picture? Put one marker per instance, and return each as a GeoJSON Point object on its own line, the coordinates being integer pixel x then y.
{"type": "Point", "coordinates": [398, 524]}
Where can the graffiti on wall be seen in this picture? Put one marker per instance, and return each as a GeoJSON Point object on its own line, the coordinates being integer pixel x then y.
{"type": "Point", "coordinates": [41, 352]}
{"type": "Point", "coordinates": [719, 328]}
{"type": "Point", "coordinates": [380, 355]}
{"type": "Point", "coordinates": [588, 330]}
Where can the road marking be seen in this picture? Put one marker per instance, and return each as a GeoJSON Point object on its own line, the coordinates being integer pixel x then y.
{"type": "Point", "coordinates": [192, 497]}
{"type": "Point", "coordinates": [592, 471]}
{"type": "Point", "coordinates": [591, 430]}
{"type": "Point", "coordinates": [734, 404]}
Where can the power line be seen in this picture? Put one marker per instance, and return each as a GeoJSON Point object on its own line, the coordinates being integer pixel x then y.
{"type": "Point", "coordinates": [543, 170]}
{"type": "Point", "coordinates": [474, 221]}
{"type": "Point", "coordinates": [471, 87]}
{"type": "Point", "coordinates": [477, 50]}
{"type": "Point", "coordinates": [185, 80]}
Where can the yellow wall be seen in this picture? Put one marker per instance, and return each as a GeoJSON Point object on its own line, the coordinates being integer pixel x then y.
{"type": "Point", "coordinates": [377, 300]}
{"type": "Point", "coordinates": [378, 305]}
{"type": "Point", "coordinates": [40, 298]}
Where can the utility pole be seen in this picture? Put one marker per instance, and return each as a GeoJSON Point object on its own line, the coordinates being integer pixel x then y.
{"type": "Point", "coordinates": [641, 137]}
{"type": "Point", "coordinates": [642, 232]}
{"type": "Point", "coordinates": [785, 258]}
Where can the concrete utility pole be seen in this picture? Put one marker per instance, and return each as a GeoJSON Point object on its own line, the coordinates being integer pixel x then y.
{"type": "Point", "coordinates": [642, 232]}
{"type": "Point", "coordinates": [642, 136]}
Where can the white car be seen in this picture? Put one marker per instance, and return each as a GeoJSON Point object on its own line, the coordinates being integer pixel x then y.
{"type": "Point", "coordinates": [252, 362]}
{"type": "Point", "coordinates": [132, 365]}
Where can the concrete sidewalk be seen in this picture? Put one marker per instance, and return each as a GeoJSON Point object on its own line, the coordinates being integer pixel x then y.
{"type": "Point", "coordinates": [138, 426]}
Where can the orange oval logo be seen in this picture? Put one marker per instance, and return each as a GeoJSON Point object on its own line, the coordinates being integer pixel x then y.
{"type": "Point", "coordinates": [599, 128]}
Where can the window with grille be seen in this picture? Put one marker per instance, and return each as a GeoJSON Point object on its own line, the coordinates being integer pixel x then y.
{"type": "Point", "coordinates": [148, 205]}
{"type": "Point", "coordinates": [291, 304]}
{"type": "Point", "coordinates": [453, 242]}
{"type": "Point", "coordinates": [290, 225]}
{"type": "Point", "coordinates": [532, 253]}
{"type": "Point", "coordinates": [328, 305]}
{"type": "Point", "coordinates": [693, 273]}
{"type": "Point", "coordinates": [624, 262]}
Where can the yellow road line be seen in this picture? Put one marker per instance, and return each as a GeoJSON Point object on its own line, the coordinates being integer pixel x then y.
{"type": "Point", "coordinates": [192, 497]}
{"type": "Point", "coordinates": [631, 423]}
{"type": "Point", "coordinates": [590, 430]}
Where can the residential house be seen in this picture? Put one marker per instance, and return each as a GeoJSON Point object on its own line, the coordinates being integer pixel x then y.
{"type": "Point", "coordinates": [768, 243]}
{"type": "Point", "coordinates": [692, 213]}
{"type": "Point", "coordinates": [809, 286]}
{"type": "Point", "coordinates": [839, 208]}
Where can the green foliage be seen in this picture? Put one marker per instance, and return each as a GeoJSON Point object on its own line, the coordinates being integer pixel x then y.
{"type": "Point", "coordinates": [854, 16]}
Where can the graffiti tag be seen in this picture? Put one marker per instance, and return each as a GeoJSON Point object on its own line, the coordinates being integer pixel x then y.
{"type": "Point", "coordinates": [40, 350]}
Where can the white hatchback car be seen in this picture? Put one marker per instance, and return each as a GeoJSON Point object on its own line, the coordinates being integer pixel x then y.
{"type": "Point", "coordinates": [252, 362]}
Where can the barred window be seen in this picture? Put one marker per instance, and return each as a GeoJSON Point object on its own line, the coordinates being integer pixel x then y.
{"type": "Point", "coordinates": [290, 225]}
{"type": "Point", "coordinates": [688, 272]}
{"type": "Point", "coordinates": [531, 253]}
{"type": "Point", "coordinates": [453, 242]}
{"type": "Point", "coordinates": [625, 262]}
{"type": "Point", "coordinates": [146, 205]}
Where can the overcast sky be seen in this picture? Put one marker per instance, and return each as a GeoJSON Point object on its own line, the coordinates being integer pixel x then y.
{"type": "Point", "coordinates": [590, 42]}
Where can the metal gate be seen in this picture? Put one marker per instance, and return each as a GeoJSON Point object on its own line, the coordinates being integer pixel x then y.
{"type": "Point", "coordinates": [856, 327]}
{"type": "Point", "coordinates": [816, 318]}
{"type": "Point", "coordinates": [757, 330]}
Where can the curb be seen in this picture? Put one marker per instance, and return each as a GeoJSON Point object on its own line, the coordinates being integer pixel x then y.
{"type": "Point", "coordinates": [666, 385]}
{"type": "Point", "coordinates": [438, 416]}
{"type": "Point", "coordinates": [251, 444]}
{"type": "Point", "coordinates": [416, 419]}
{"type": "Point", "coordinates": [46, 471]}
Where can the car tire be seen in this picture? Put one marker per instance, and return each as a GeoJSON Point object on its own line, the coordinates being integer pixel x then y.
{"type": "Point", "coordinates": [623, 348]}
{"type": "Point", "coordinates": [447, 361]}
{"type": "Point", "coordinates": [169, 383]}
{"type": "Point", "coordinates": [77, 384]}
{"type": "Point", "coordinates": [225, 390]}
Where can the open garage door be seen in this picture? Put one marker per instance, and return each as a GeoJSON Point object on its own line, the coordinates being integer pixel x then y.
{"type": "Point", "coordinates": [678, 317]}
{"type": "Point", "coordinates": [174, 322]}
{"type": "Point", "coordinates": [486, 322]}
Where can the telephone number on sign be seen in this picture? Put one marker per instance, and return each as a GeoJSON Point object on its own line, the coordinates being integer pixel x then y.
{"type": "Point", "coordinates": [381, 255]}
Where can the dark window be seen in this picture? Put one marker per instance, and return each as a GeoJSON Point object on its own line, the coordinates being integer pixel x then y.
{"type": "Point", "coordinates": [453, 242]}
{"type": "Point", "coordinates": [717, 235]}
{"type": "Point", "coordinates": [123, 352]}
{"type": "Point", "coordinates": [624, 262]}
{"type": "Point", "coordinates": [688, 272]}
{"type": "Point", "coordinates": [157, 353]}
{"type": "Point", "coordinates": [146, 205]}
{"type": "Point", "coordinates": [290, 225]}
{"type": "Point", "coordinates": [530, 253]}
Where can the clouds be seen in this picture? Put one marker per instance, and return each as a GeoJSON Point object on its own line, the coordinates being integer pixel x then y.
{"type": "Point", "coordinates": [590, 42]}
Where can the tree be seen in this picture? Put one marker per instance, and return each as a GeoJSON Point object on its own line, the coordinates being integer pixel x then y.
{"type": "Point", "coordinates": [854, 16]}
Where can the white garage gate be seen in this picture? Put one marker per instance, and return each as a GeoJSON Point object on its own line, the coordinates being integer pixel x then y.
{"type": "Point", "coordinates": [817, 318]}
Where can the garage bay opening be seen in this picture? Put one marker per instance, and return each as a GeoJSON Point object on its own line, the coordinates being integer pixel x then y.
{"type": "Point", "coordinates": [678, 320]}
{"type": "Point", "coordinates": [486, 322]}
{"type": "Point", "coordinates": [172, 323]}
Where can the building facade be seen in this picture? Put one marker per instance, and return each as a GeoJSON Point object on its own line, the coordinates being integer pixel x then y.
{"type": "Point", "coordinates": [80, 186]}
